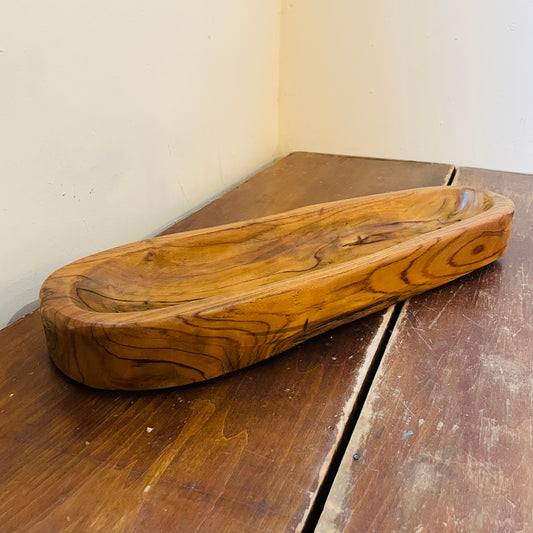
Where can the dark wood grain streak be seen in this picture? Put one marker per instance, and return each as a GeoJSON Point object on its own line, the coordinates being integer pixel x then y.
{"type": "Point", "coordinates": [445, 439]}
{"type": "Point", "coordinates": [246, 452]}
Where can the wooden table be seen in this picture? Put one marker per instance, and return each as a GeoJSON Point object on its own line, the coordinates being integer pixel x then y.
{"type": "Point", "coordinates": [418, 418]}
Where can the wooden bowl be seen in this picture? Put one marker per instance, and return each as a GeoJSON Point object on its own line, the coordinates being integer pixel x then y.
{"type": "Point", "coordinates": [191, 306]}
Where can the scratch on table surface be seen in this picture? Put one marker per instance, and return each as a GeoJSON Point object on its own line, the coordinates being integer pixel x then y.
{"type": "Point", "coordinates": [419, 334]}
{"type": "Point", "coordinates": [407, 408]}
{"type": "Point", "coordinates": [489, 432]}
{"type": "Point", "coordinates": [472, 321]}
{"type": "Point", "coordinates": [435, 320]}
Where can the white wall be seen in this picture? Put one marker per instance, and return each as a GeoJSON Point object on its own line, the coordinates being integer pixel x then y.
{"type": "Point", "coordinates": [117, 117]}
{"type": "Point", "coordinates": [448, 81]}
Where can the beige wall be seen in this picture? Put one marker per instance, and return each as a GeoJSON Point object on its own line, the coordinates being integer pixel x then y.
{"type": "Point", "coordinates": [448, 81]}
{"type": "Point", "coordinates": [117, 117]}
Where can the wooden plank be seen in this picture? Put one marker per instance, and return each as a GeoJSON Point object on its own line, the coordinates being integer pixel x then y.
{"type": "Point", "coordinates": [246, 452]}
{"type": "Point", "coordinates": [304, 178]}
{"type": "Point", "coordinates": [445, 438]}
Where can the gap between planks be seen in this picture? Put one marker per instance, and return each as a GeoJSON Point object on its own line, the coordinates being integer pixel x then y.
{"type": "Point", "coordinates": [323, 492]}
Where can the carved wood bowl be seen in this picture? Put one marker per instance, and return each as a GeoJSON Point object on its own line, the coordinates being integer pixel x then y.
{"type": "Point", "coordinates": [191, 306]}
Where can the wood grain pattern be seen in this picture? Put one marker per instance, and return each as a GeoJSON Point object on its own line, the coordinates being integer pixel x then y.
{"type": "Point", "coordinates": [445, 439]}
{"type": "Point", "coordinates": [189, 307]}
{"type": "Point", "coordinates": [245, 452]}
{"type": "Point", "coordinates": [304, 178]}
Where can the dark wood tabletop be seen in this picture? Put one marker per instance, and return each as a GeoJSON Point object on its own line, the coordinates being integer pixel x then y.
{"type": "Point", "coordinates": [417, 418]}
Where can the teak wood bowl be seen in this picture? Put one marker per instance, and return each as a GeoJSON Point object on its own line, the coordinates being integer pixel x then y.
{"type": "Point", "coordinates": [191, 306]}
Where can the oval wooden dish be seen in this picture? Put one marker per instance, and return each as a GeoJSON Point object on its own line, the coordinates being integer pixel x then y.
{"type": "Point", "coordinates": [187, 307]}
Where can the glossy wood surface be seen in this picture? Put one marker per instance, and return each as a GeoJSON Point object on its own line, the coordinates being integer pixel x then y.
{"type": "Point", "coordinates": [188, 307]}
{"type": "Point", "coordinates": [304, 178]}
{"type": "Point", "coordinates": [445, 438]}
{"type": "Point", "coordinates": [246, 452]}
